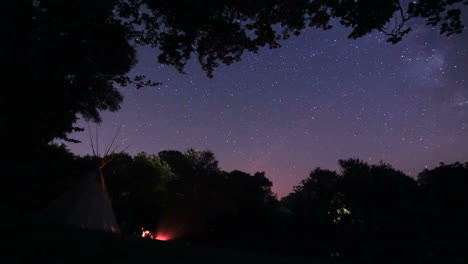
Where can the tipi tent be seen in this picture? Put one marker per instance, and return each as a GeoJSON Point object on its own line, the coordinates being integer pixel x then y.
{"type": "Point", "coordinates": [87, 204]}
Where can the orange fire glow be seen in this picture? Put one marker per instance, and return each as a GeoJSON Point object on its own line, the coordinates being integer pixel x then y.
{"type": "Point", "coordinates": [162, 237]}
{"type": "Point", "coordinates": [149, 234]}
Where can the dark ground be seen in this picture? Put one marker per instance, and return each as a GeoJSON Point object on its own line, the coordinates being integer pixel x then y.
{"type": "Point", "coordinates": [36, 242]}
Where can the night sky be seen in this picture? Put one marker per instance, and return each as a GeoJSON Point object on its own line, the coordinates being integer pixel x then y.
{"type": "Point", "coordinates": [317, 99]}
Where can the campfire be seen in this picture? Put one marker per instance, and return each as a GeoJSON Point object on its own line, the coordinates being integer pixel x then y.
{"type": "Point", "coordinates": [151, 235]}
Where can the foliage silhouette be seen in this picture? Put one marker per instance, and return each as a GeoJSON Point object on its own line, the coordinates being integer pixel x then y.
{"type": "Point", "coordinates": [364, 213]}
{"type": "Point", "coordinates": [374, 213]}
{"type": "Point", "coordinates": [81, 52]}
{"type": "Point", "coordinates": [443, 218]}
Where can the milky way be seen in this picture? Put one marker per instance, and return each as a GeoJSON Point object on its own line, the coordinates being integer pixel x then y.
{"type": "Point", "coordinates": [317, 99]}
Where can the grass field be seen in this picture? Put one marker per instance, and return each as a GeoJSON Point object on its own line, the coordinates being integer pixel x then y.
{"type": "Point", "coordinates": [39, 242]}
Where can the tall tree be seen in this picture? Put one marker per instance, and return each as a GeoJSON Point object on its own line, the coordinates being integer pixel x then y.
{"type": "Point", "coordinates": [314, 213]}
{"type": "Point", "coordinates": [443, 215]}
{"type": "Point", "coordinates": [381, 203]}
{"type": "Point", "coordinates": [364, 213]}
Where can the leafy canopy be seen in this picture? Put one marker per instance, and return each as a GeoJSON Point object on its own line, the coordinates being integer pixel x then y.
{"type": "Point", "coordinates": [82, 51]}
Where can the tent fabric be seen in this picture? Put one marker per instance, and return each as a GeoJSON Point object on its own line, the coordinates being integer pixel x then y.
{"type": "Point", "coordinates": [86, 205]}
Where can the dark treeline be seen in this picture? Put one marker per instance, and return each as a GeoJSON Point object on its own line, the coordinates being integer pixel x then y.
{"type": "Point", "coordinates": [363, 213]}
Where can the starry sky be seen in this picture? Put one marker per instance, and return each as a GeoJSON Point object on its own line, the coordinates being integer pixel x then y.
{"type": "Point", "coordinates": [319, 98]}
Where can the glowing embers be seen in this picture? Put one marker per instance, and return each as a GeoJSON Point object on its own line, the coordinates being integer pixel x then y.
{"type": "Point", "coordinates": [149, 234]}
{"type": "Point", "coordinates": [163, 237]}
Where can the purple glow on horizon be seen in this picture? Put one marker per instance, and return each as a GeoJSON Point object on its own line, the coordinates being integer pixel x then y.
{"type": "Point", "coordinates": [318, 99]}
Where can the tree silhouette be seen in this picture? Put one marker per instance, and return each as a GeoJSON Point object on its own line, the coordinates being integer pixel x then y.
{"type": "Point", "coordinates": [140, 189]}
{"type": "Point", "coordinates": [219, 207]}
{"type": "Point", "coordinates": [381, 203]}
{"type": "Point", "coordinates": [80, 52]}
{"type": "Point", "coordinates": [313, 221]}
{"type": "Point", "coordinates": [364, 213]}
{"type": "Point", "coordinates": [443, 215]}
